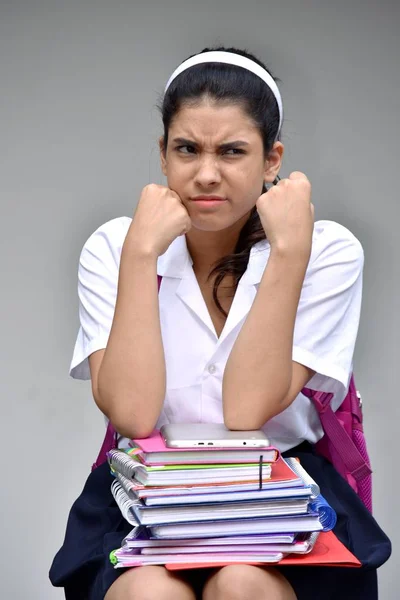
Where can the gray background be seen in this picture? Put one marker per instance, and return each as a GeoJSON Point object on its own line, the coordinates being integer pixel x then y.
{"type": "Point", "coordinates": [78, 131]}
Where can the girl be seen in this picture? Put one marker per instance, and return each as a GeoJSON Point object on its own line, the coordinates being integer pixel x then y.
{"type": "Point", "coordinates": [256, 302]}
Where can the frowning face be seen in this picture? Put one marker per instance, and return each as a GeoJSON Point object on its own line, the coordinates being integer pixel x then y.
{"type": "Point", "coordinates": [215, 162]}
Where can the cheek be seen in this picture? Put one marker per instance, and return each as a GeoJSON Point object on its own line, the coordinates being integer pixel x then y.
{"type": "Point", "coordinates": [247, 191]}
{"type": "Point", "coordinates": [177, 174]}
{"type": "Point", "coordinates": [249, 182]}
{"type": "Point", "coordinates": [249, 172]}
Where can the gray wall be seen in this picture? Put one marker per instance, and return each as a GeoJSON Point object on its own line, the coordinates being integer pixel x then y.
{"type": "Point", "coordinates": [78, 129]}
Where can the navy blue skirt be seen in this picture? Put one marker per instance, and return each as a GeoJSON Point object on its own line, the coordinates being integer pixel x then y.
{"type": "Point", "coordinates": [95, 528]}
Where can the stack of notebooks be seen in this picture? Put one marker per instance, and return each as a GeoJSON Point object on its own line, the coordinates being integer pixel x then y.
{"type": "Point", "coordinates": [202, 507]}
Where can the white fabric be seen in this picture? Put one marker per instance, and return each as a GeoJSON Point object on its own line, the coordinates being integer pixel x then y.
{"type": "Point", "coordinates": [324, 337]}
{"type": "Point", "coordinates": [238, 60]}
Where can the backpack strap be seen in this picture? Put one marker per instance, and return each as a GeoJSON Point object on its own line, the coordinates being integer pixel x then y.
{"type": "Point", "coordinates": [111, 437]}
{"type": "Point", "coordinates": [337, 435]}
{"type": "Point", "coordinates": [109, 442]}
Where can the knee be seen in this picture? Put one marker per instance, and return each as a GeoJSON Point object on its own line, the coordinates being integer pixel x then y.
{"type": "Point", "coordinates": [144, 584]}
{"type": "Point", "coordinates": [246, 582]}
{"type": "Point", "coordinates": [234, 583]}
{"type": "Point", "coordinates": [148, 583]}
{"type": "Point", "coordinates": [129, 585]}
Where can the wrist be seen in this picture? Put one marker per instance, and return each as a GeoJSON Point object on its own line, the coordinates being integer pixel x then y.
{"type": "Point", "coordinates": [136, 249]}
{"type": "Point", "coordinates": [136, 265]}
{"type": "Point", "coordinates": [291, 252]}
{"type": "Point", "coordinates": [287, 264]}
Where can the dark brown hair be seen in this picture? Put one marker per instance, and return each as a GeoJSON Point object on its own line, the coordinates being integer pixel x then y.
{"type": "Point", "coordinates": [225, 82]}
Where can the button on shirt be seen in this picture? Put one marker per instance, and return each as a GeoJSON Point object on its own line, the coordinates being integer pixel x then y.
{"type": "Point", "coordinates": [324, 335]}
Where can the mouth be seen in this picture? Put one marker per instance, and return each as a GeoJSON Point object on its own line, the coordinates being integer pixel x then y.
{"type": "Point", "coordinates": [208, 201]}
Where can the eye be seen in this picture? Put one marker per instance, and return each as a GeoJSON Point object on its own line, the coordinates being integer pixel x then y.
{"type": "Point", "coordinates": [186, 149]}
{"type": "Point", "coordinates": [233, 151]}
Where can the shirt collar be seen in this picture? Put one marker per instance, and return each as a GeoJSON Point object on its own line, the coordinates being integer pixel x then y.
{"type": "Point", "coordinates": [175, 261]}
{"type": "Point", "coordinates": [258, 259]}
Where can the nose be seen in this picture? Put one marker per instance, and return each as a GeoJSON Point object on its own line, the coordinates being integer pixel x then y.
{"type": "Point", "coordinates": [208, 173]}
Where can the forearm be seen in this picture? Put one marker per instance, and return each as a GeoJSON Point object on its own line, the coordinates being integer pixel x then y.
{"type": "Point", "coordinates": [258, 373]}
{"type": "Point", "coordinates": [131, 381]}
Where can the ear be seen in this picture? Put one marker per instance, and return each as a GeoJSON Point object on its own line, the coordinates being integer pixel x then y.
{"type": "Point", "coordinates": [163, 156]}
{"type": "Point", "coordinates": [274, 162]}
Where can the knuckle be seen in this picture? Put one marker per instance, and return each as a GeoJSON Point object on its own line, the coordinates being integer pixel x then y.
{"type": "Point", "coordinates": [261, 200]}
{"type": "Point", "coordinates": [176, 201]}
{"type": "Point", "coordinates": [298, 175]}
{"type": "Point", "coordinates": [303, 185]}
{"type": "Point", "coordinates": [175, 196]}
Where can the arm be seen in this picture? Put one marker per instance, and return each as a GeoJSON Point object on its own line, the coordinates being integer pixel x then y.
{"type": "Point", "coordinates": [128, 382]}
{"type": "Point", "coordinates": [326, 325]}
{"type": "Point", "coordinates": [128, 372]}
{"type": "Point", "coordinates": [260, 378]}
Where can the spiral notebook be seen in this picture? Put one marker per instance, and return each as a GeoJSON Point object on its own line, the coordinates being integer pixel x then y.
{"type": "Point", "coordinates": [212, 496]}
{"type": "Point", "coordinates": [125, 503]}
{"type": "Point", "coordinates": [135, 512]}
{"type": "Point", "coordinates": [250, 525]}
{"type": "Point", "coordinates": [138, 538]}
{"type": "Point", "coordinates": [328, 551]}
{"type": "Point", "coordinates": [188, 554]}
{"type": "Point", "coordinates": [125, 559]}
{"type": "Point", "coordinates": [129, 466]}
{"type": "Point", "coordinates": [128, 556]}
{"type": "Point", "coordinates": [221, 511]}
{"type": "Point", "coordinates": [282, 477]}
{"type": "Point", "coordinates": [298, 546]}
{"type": "Point", "coordinates": [295, 465]}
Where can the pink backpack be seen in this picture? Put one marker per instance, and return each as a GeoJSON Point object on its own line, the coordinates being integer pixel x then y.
{"type": "Point", "coordinates": [343, 443]}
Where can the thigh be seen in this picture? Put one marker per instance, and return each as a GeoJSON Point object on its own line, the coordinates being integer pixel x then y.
{"type": "Point", "coordinates": [151, 582]}
{"type": "Point", "coordinates": [247, 582]}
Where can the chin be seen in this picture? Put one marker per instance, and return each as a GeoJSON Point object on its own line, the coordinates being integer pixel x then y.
{"type": "Point", "coordinates": [202, 225]}
{"type": "Point", "coordinates": [217, 222]}
{"type": "Point", "coordinates": [208, 226]}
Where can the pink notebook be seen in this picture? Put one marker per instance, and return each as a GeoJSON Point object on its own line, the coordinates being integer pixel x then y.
{"type": "Point", "coordinates": [153, 451]}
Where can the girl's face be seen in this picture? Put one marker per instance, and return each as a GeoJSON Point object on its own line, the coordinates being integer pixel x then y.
{"type": "Point", "coordinates": [215, 162]}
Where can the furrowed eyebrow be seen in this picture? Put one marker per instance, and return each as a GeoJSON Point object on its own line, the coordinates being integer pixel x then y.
{"type": "Point", "coordinates": [184, 142]}
{"type": "Point", "coordinates": [226, 146]}
{"type": "Point", "coordinates": [235, 144]}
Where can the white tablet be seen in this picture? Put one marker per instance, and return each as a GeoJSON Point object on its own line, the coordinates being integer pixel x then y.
{"type": "Point", "coordinates": [200, 435]}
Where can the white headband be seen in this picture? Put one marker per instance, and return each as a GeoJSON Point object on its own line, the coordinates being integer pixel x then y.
{"type": "Point", "coordinates": [230, 58]}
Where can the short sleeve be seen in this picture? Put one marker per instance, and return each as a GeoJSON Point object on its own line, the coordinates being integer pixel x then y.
{"type": "Point", "coordinates": [97, 291]}
{"type": "Point", "coordinates": [329, 309]}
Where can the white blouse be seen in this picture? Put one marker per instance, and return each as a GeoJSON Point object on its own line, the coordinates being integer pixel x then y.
{"type": "Point", "coordinates": [324, 337]}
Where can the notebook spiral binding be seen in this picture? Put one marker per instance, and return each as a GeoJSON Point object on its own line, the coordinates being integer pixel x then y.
{"type": "Point", "coordinates": [124, 502]}
{"type": "Point", "coordinates": [122, 463]}
{"type": "Point", "coordinates": [126, 484]}
{"type": "Point", "coordinates": [311, 541]}
{"type": "Point", "coordinates": [304, 476]}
